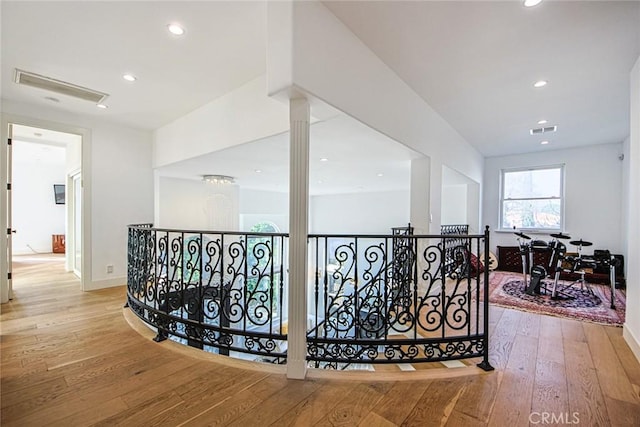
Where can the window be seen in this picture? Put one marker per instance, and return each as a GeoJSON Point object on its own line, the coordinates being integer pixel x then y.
{"type": "Point", "coordinates": [532, 198]}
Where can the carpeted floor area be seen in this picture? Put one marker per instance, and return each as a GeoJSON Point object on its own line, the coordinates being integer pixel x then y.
{"type": "Point", "coordinates": [507, 290]}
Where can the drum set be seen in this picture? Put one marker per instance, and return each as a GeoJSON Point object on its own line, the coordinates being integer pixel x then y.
{"type": "Point", "coordinates": [558, 262]}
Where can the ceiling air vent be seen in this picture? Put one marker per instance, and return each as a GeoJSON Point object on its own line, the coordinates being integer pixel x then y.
{"type": "Point", "coordinates": [543, 130]}
{"type": "Point", "coordinates": [58, 86]}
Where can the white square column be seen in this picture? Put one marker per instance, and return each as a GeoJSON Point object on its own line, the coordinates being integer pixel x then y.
{"type": "Point", "coordinates": [299, 114]}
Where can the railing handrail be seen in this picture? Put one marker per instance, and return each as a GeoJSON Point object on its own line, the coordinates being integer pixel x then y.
{"type": "Point", "coordinates": [311, 235]}
{"type": "Point", "coordinates": [179, 230]}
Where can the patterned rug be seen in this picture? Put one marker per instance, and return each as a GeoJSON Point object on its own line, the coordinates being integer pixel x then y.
{"type": "Point", "coordinates": [507, 290]}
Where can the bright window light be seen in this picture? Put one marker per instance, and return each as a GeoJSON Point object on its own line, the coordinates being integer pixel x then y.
{"type": "Point", "coordinates": [532, 198]}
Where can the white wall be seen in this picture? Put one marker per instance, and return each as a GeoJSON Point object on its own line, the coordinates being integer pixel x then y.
{"type": "Point", "coordinates": [243, 115]}
{"type": "Point", "coordinates": [117, 182]}
{"type": "Point", "coordinates": [74, 155]}
{"type": "Point", "coordinates": [352, 79]}
{"type": "Point", "coordinates": [36, 216]}
{"type": "Point", "coordinates": [359, 213]}
{"type": "Point", "coordinates": [454, 204]}
{"type": "Point", "coordinates": [421, 195]}
{"type": "Point", "coordinates": [631, 329]}
{"type": "Point", "coordinates": [593, 200]}
{"type": "Point", "coordinates": [257, 206]}
{"type": "Point", "coordinates": [182, 204]}
{"type": "Point", "coordinates": [189, 204]}
{"type": "Point", "coordinates": [460, 200]}
{"type": "Point", "coordinates": [121, 194]}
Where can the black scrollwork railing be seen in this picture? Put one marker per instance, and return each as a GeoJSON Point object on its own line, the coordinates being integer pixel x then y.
{"type": "Point", "coordinates": [379, 300]}
{"type": "Point", "coordinates": [450, 243]}
{"type": "Point", "coordinates": [222, 292]}
{"type": "Point", "coordinates": [372, 299]}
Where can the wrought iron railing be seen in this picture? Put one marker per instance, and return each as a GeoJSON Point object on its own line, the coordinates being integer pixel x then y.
{"type": "Point", "coordinates": [376, 301]}
{"type": "Point", "coordinates": [222, 292]}
{"type": "Point", "coordinates": [372, 299]}
{"type": "Point", "coordinates": [455, 230]}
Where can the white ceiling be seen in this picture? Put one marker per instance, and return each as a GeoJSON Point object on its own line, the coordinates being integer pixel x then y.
{"type": "Point", "coordinates": [473, 62]}
{"type": "Point", "coordinates": [92, 44]}
{"type": "Point", "coordinates": [44, 136]}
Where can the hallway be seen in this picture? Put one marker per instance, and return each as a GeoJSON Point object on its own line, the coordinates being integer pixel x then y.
{"type": "Point", "coordinates": [70, 358]}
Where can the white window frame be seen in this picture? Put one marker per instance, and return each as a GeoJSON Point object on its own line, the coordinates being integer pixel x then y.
{"type": "Point", "coordinates": [561, 166]}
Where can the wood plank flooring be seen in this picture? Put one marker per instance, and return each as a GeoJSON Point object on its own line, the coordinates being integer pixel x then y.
{"type": "Point", "coordinates": [69, 358]}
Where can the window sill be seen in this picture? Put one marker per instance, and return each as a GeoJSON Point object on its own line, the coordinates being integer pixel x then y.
{"type": "Point", "coordinates": [528, 231]}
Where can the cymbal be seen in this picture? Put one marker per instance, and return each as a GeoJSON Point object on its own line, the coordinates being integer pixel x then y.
{"type": "Point", "coordinates": [580, 243]}
{"type": "Point", "coordinates": [559, 236]}
{"type": "Point", "coordinates": [522, 236]}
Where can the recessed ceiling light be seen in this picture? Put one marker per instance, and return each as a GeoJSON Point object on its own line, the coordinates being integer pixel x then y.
{"type": "Point", "coordinates": [175, 29]}
{"type": "Point", "coordinates": [104, 107]}
{"type": "Point", "coordinates": [258, 171]}
{"type": "Point", "coordinates": [544, 142]}
{"type": "Point", "coordinates": [542, 122]}
{"type": "Point", "coordinates": [320, 181]}
{"type": "Point", "coordinates": [380, 174]}
{"type": "Point", "coordinates": [540, 83]}
{"type": "Point", "coordinates": [531, 3]}
{"type": "Point", "coordinates": [129, 77]}
{"type": "Point", "coordinates": [324, 159]}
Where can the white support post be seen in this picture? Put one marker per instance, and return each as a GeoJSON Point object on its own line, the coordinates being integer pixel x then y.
{"type": "Point", "coordinates": [299, 115]}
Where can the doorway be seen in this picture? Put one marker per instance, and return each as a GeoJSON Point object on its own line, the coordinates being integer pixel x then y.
{"type": "Point", "coordinates": [44, 211]}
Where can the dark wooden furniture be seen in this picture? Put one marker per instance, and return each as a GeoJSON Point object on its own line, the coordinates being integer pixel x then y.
{"type": "Point", "coordinates": [57, 243]}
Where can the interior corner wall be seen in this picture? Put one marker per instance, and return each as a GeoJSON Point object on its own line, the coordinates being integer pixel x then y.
{"type": "Point", "coordinates": [120, 180]}
{"type": "Point", "coordinates": [593, 198]}
{"type": "Point", "coordinates": [243, 115]}
{"type": "Point", "coordinates": [353, 79]}
{"type": "Point", "coordinates": [631, 330]}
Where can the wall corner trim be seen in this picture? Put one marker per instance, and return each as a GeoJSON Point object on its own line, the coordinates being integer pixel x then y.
{"type": "Point", "coordinates": [631, 340]}
{"type": "Point", "coordinates": [107, 283]}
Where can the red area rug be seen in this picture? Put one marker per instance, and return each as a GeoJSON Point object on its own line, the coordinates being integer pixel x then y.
{"type": "Point", "coordinates": [507, 290]}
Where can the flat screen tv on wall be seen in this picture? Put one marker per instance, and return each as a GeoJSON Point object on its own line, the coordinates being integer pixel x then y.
{"type": "Point", "coordinates": [58, 192]}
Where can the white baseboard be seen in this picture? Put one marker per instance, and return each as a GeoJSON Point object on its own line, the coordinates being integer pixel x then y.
{"type": "Point", "coordinates": [631, 340]}
{"type": "Point", "coordinates": [107, 283]}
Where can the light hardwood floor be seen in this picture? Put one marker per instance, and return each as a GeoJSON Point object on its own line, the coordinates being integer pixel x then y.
{"type": "Point", "coordinates": [69, 358]}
